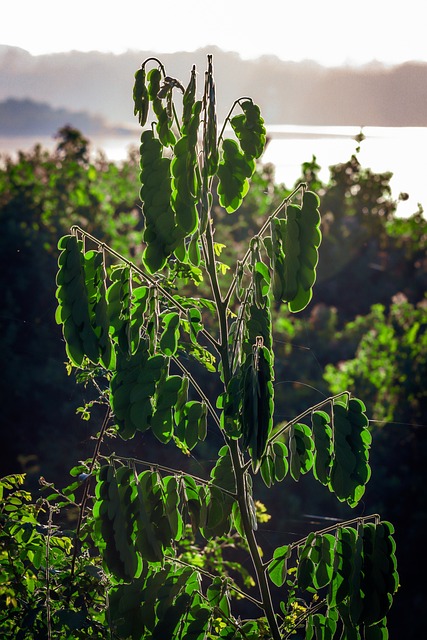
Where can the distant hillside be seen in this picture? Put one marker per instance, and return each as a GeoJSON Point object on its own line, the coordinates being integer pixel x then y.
{"type": "Point", "coordinates": [27, 117]}
{"type": "Point", "coordinates": [288, 93]}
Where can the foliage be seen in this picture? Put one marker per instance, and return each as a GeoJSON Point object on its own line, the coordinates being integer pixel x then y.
{"type": "Point", "coordinates": [363, 238]}
{"type": "Point", "coordinates": [391, 259]}
{"type": "Point", "coordinates": [40, 193]}
{"type": "Point", "coordinates": [154, 540]}
{"type": "Point", "coordinates": [389, 360]}
{"type": "Point", "coordinates": [38, 600]}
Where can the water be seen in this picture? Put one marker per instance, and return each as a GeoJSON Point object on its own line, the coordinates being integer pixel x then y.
{"type": "Point", "coordinates": [400, 150]}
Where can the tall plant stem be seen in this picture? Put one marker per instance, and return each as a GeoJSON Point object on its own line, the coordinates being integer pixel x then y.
{"type": "Point", "coordinates": [236, 456]}
{"type": "Point", "coordinates": [259, 567]}
{"type": "Point", "coordinates": [221, 305]}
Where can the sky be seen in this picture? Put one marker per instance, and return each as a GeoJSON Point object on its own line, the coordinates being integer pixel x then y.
{"type": "Point", "coordinates": [330, 32]}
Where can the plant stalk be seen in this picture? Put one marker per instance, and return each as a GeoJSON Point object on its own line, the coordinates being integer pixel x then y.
{"type": "Point", "coordinates": [259, 567]}
{"type": "Point", "coordinates": [236, 456]}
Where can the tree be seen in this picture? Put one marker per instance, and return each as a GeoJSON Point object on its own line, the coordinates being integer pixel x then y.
{"type": "Point", "coordinates": [43, 192]}
{"type": "Point", "coordinates": [161, 536]}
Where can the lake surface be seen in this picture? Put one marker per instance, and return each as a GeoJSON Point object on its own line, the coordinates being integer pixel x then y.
{"type": "Point", "coordinates": [400, 150]}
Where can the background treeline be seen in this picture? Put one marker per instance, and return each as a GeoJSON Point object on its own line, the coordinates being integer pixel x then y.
{"type": "Point", "coordinates": [287, 92]}
{"type": "Point", "coordinates": [27, 117]}
{"type": "Point", "coordinates": [365, 330]}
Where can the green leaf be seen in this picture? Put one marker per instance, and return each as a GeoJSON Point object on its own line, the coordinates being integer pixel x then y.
{"type": "Point", "coordinates": [147, 541]}
{"type": "Point", "coordinates": [210, 148]}
{"type": "Point", "coordinates": [218, 511]}
{"type": "Point", "coordinates": [380, 578]}
{"type": "Point", "coordinates": [218, 596]}
{"type": "Point", "coordinates": [377, 631]}
{"type": "Point", "coordinates": [72, 620]}
{"type": "Point", "coordinates": [195, 322]}
{"type": "Point", "coordinates": [132, 386]}
{"type": "Point", "coordinates": [267, 469]}
{"type": "Point", "coordinates": [223, 472]}
{"type": "Point", "coordinates": [323, 444]}
{"type": "Point", "coordinates": [166, 628]}
{"type": "Point", "coordinates": [257, 402]}
{"type": "Point", "coordinates": [341, 584]}
{"type": "Point", "coordinates": [280, 463]}
{"type": "Point", "coordinates": [140, 96]}
{"type": "Point", "coordinates": [192, 423]}
{"type": "Point", "coordinates": [233, 173]}
{"type": "Point", "coordinates": [301, 450]}
{"type": "Point", "coordinates": [172, 507]}
{"type": "Point", "coordinates": [324, 626]}
{"type": "Point", "coordinates": [193, 502]}
{"type": "Point", "coordinates": [198, 619]}
{"type": "Point", "coordinates": [324, 569]}
{"type": "Point", "coordinates": [277, 567]}
{"type": "Point", "coordinates": [306, 568]}
{"type": "Point", "coordinates": [82, 306]}
{"type": "Point", "coordinates": [250, 130]}
{"type": "Point", "coordinates": [162, 424]}
{"type": "Point", "coordinates": [350, 463]}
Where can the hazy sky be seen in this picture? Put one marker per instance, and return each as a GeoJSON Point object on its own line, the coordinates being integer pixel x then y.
{"type": "Point", "coordinates": [331, 32]}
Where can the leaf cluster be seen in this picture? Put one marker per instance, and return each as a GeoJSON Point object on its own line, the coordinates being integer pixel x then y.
{"type": "Point", "coordinates": [131, 330]}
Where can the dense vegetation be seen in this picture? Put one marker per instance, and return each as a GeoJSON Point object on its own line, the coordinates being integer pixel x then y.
{"type": "Point", "coordinates": [366, 330]}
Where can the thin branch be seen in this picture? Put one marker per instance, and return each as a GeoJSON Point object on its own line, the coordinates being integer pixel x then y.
{"type": "Point", "coordinates": [239, 322]}
{"type": "Point", "coordinates": [212, 577]}
{"type": "Point", "coordinates": [176, 472]}
{"type": "Point", "coordinates": [155, 283]}
{"type": "Point", "coordinates": [227, 118]}
{"type": "Point", "coordinates": [333, 527]}
{"type": "Point", "coordinates": [336, 526]}
{"type": "Point", "coordinates": [199, 390]}
{"type": "Point", "coordinates": [304, 616]}
{"type": "Point", "coordinates": [155, 60]}
{"type": "Point", "coordinates": [282, 205]}
{"type": "Point", "coordinates": [302, 415]}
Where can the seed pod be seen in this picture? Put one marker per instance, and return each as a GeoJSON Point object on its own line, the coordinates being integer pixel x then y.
{"type": "Point", "coordinates": [82, 307]}
{"type": "Point", "coordinates": [257, 402]}
{"type": "Point", "coordinates": [294, 253]}
{"type": "Point", "coordinates": [114, 522]}
{"type": "Point", "coordinates": [161, 230]}
{"type": "Point", "coordinates": [185, 181]}
{"type": "Point", "coordinates": [210, 143]}
{"type": "Point", "coordinates": [291, 249]}
{"type": "Point", "coordinates": [164, 118]}
{"type": "Point", "coordinates": [140, 97]}
{"type": "Point", "coordinates": [250, 130]}
{"type": "Point", "coordinates": [234, 172]}
{"type": "Point", "coordinates": [189, 98]}
{"type": "Point", "coordinates": [351, 442]}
